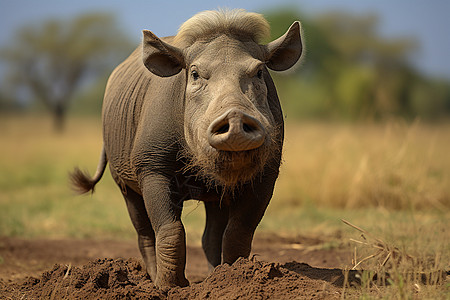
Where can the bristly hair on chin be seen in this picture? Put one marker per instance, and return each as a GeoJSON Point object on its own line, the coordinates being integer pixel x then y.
{"type": "Point", "coordinates": [209, 165]}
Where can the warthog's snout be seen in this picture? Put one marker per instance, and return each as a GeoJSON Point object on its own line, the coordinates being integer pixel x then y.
{"type": "Point", "coordinates": [236, 131]}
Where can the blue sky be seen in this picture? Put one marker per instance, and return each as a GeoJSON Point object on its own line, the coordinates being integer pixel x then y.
{"type": "Point", "coordinates": [427, 21]}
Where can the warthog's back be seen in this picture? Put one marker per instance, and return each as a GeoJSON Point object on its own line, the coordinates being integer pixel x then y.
{"type": "Point", "coordinates": [124, 96]}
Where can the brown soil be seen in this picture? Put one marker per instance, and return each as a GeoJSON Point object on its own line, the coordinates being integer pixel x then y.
{"type": "Point", "coordinates": [281, 268]}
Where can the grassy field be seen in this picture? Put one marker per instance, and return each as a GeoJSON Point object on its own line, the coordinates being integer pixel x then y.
{"type": "Point", "coordinates": [391, 179]}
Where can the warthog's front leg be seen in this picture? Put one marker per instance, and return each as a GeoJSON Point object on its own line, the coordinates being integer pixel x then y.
{"type": "Point", "coordinates": [216, 222]}
{"type": "Point", "coordinates": [165, 217]}
{"type": "Point", "coordinates": [244, 216]}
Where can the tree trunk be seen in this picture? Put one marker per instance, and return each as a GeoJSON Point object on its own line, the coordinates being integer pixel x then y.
{"type": "Point", "coordinates": [59, 115]}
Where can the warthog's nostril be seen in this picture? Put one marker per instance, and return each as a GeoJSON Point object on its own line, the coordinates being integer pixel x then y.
{"type": "Point", "coordinates": [223, 129]}
{"type": "Point", "coordinates": [248, 128]}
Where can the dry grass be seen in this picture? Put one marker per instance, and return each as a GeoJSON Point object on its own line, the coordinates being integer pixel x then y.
{"type": "Point", "coordinates": [394, 165]}
{"type": "Point", "coordinates": [330, 171]}
{"type": "Point", "coordinates": [385, 271]}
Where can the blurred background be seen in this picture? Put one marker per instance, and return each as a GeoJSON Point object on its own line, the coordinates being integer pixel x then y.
{"type": "Point", "coordinates": [363, 60]}
{"type": "Point", "coordinates": [367, 113]}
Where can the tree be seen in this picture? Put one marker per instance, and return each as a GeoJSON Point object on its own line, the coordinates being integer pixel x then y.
{"type": "Point", "coordinates": [350, 71]}
{"type": "Point", "coordinates": [368, 74]}
{"type": "Point", "coordinates": [50, 62]}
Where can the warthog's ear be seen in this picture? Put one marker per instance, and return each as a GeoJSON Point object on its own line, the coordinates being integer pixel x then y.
{"type": "Point", "coordinates": [159, 57]}
{"type": "Point", "coordinates": [285, 51]}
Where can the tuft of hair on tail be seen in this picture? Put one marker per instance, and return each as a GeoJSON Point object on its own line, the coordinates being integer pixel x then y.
{"type": "Point", "coordinates": [81, 182]}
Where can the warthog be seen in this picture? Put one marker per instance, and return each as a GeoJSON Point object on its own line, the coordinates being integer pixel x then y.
{"type": "Point", "coordinates": [196, 116]}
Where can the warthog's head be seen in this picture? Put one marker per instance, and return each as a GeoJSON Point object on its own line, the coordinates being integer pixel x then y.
{"type": "Point", "coordinates": [232, 119]}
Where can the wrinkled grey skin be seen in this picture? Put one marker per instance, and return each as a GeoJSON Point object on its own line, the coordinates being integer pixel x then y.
{"type": "Point", "coordinates": [201, 123]}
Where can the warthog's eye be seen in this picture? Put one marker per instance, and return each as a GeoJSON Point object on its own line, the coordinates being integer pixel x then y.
{"type": "Point", "coordinates": [260, 74]}
{"type": "Point", "coordinates": [195, 75]}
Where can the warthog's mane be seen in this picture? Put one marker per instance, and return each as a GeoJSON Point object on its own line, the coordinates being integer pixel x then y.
{"type": "Point", "coordinates": [224, 21]}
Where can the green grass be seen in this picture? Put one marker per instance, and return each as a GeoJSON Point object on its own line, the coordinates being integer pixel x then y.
{"type": "Point", "coordinates": [35, 197]}
{"type": "Point", "coordinates": [391, 179]}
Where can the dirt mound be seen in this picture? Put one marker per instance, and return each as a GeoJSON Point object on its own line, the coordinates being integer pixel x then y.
{"type": "Point", "coordinates": [127, 279]}
{"type": "Point", "coordinates": [100, 279]}
{"type": "Point", "coordinates": [247, 279]}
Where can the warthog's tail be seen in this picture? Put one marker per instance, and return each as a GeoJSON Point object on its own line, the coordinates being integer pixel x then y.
{"type": "Point", "coordinates": [82, 182]}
